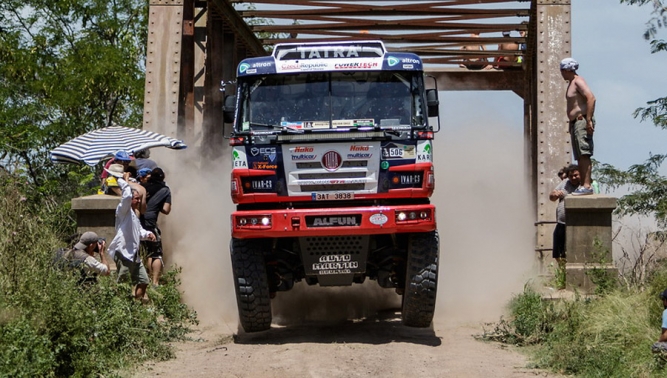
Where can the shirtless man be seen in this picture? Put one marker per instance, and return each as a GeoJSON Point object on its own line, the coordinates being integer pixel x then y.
{"type": "Point", "coordinates": [475, 63]}
{"type": "Point", "coordinates": [580, 110]}
{"type": "Point", "coordinates": [507, 46]}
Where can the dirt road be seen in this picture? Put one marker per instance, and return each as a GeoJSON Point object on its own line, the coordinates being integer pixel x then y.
{"type": "Point", "coordinates": [485, 221]}
{"type": "Point", "coordinates": [374, 347]}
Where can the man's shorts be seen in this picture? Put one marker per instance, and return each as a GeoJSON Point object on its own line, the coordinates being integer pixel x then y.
{"type": "Point", "coordinates": [135, 270]}
{"type": "Point", "coordinates": [582, 143]}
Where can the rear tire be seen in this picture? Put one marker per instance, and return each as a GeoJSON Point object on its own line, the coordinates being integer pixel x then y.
{"type": "Point", "coordinates": [421, 280]}
{"type": "Point", "coordinates": [251, 284]}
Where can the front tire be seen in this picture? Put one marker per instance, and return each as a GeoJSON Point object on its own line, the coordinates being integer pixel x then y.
{"type": "Point", "coordinates": [421, 280]}
{"type": "Point", "coordinates": [251, 284]}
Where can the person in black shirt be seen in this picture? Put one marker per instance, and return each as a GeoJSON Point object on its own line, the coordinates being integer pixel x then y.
{"type": "Point", "coordinates": [158, 200]}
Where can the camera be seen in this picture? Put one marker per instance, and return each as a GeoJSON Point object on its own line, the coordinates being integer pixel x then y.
{"type": "Point", "coordinates": [97, 246]}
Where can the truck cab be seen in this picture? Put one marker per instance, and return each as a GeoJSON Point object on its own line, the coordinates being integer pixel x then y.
{"type": "Point", "coordinates": [332, 174]}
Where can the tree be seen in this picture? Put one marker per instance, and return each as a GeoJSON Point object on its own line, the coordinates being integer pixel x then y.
{"type": "Point", "coordinates": [656, 109]}
{"type": "Point", "coordinates": [66, 67]}
{"type": "Point", "coordinates": [649, 188]}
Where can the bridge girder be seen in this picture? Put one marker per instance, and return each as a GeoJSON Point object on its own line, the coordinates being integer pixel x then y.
{"type": "Point", "coordinates": [194, 46]}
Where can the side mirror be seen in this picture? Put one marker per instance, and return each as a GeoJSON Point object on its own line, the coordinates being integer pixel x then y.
{"type": "Point", "coordinates": [432, 102]}
{"type": "Point", "coordinates": [229, 108]}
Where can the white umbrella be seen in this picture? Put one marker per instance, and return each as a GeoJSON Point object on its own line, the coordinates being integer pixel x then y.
{"type": "Point", "coordinates": [94, 146]}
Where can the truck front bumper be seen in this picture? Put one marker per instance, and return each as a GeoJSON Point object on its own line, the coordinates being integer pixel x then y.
{"type": "Point", "coordinates": [371, 220]}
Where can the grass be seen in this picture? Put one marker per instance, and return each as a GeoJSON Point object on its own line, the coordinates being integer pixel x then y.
{"type": "Point", "coordinates": [52, 327]}
{"type": "Point", "coordinates": [607, 336]}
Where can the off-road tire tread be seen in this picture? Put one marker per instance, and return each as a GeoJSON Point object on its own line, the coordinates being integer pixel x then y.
{"type": "Point", "coordinates": [251, 285]}
{"type": "Point", "coordinates": [421, 281]}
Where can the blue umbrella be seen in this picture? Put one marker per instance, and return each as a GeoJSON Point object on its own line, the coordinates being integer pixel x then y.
{"type": "Point", "coordinates": [98, 144]}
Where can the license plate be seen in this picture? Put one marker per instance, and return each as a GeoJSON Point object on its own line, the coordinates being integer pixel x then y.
{"type": "Point", "coordinates": [339, 196]}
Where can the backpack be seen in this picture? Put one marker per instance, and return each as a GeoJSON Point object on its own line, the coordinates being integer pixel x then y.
{"type": "Point", "coordinates": [65, 259]}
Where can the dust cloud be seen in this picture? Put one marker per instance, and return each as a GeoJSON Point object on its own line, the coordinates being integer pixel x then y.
{"type": "Point", "coordinates": [485, 223]}
{"type": "Point", "coordinates": [196, 233]}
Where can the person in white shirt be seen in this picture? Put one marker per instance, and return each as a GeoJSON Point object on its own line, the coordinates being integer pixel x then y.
{"type": "Point", "coordinates": [124, 248]}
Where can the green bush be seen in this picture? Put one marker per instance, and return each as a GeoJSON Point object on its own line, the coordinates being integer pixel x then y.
{"type": "Point", "coordinates": [52, 326]}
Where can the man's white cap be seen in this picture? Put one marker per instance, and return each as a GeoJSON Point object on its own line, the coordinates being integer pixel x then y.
{"type": "Point", "coordinates": [569, 64]}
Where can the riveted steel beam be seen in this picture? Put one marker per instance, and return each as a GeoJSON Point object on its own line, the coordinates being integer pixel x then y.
{"type": "Point", "coordinates": [239, 26]}
{"type": "Point", "coordinates": [550, 135]}
{"type": "Point", "coordinates": [163, 66]}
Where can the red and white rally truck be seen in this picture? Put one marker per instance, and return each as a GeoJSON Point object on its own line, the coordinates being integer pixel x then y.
{"type": "Point", "coordinates": [332, 173]}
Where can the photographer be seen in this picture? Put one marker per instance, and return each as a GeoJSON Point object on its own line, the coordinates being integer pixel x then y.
{"type": "Point", "coordinates": [83, 256]}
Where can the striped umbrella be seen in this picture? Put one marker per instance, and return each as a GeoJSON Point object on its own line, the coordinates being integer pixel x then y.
{"type": "Point", "coordinates": [94, 146]}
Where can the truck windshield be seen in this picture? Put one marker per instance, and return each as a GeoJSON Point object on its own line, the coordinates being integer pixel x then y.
{"type": "Point", "coordinates": [331, 100]}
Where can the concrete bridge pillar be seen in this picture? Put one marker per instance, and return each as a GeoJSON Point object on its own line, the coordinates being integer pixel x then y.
{"type": "Point", "coordinates": [588, 239]}
{"type": "Point", "coordinates": [96, 213]}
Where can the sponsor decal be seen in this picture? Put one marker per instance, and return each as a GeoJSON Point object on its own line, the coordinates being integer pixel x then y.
{"type": "Point", "coordinates": [302, 157]}
{"type": "Point", "coordinates": [408, 66]}
{"type": "Point", "coordinates": [268, 152]}
{"type": "Point", "coordinates": [355, 65]}
{"type": "Point", "coordinates": [360, 148]}
{"type": "Point", "coordinates": [352, 123]}
{"type": "Point", "coordinates": [254, 151]}
{"type": "Point", "coordinates": [392, 61]}
{"type": "Point", "coordinates": [262, 184]}
{"type": "Point", "coordinates": [424, 152]}
{"type": "Point", "coordinates": [301, 149]}
{"type": "Point", "coordinates": [316, 125]}
{"type": "Point", "coordinates": [331, 160]}
{"type": "Point", "coordinates": [378, 219]}
{"type": "Point", "coordinates": [411, 61]}
{"type": "Point", "coordinates": [345, 220]}
{"type": "Point", "coordinates": [239, 159]}
{"type": "Point", "coordinates": [313, 66]}
{"type": "Point", "coordinates": [334, 271]}
{"type": "Point", "coordinates": [332, 182]}
{"type": "Point", "coordinates": [359, 155]}
{"type": "Point", "coordinates": [290, 66]}
{"type": "Point", "coordinates": [423, 158]}
{"type": "Point", "coordinates": [294, 125]}
{"type": "Point", "coordinates": [264, 165]}
{"type": "Point", "coordinates": [427, 148]}
{"type": "Point", "coordinates": [335, 264]}
{"type": "Point", "coordinates": [251, 71]}
{"type": "Point", "coordinates": [384, 165]}
{"type": "Point", "coordinates": [243, 67]}
{"type": "Point", "coordinates": [262, 64]}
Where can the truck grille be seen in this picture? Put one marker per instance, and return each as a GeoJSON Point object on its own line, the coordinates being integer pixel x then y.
{"type": "Point", "coordinates": [338, 187]}
{"type": "Point", "coordinates": [312, 176]}
{"type": "Point", "coordinates": [346, 164]}
{"type": "Point", "coordinates": [333, 245]}
{"type": "Point", "coordinates": [332, 167]}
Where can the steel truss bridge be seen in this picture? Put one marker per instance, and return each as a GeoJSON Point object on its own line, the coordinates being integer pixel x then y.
{"type": "Point", "coordinates": [194, 46]}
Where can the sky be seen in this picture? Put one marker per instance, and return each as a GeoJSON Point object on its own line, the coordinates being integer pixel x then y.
{"type": "Point", "coordinates": [616, 62]}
